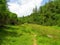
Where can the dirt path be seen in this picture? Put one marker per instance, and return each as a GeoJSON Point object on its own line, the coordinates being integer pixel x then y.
{"type": "Point", "coordinates": [34, 40]}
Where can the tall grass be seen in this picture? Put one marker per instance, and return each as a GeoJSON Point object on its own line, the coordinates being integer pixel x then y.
{"type": "Point", "coordinates": [23, 35]}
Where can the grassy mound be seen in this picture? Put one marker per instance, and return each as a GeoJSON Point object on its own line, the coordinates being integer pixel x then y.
{"type": "Point", "coordinates": [30, 34]}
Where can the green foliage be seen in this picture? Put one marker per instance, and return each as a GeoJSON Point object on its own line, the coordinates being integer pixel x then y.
{"type": "Point", "coordinates": [51, 13]}
{"type": "Point", "coordinates": [48, 14]}
{"type": "Point", "coordinates": [13, 18]}
{"type": "Point", "coordinates": [24, 35]}
{"type": "Point", "coordinates": [6, 17]}
{"type": "Point", "coordinates": [2, 11]}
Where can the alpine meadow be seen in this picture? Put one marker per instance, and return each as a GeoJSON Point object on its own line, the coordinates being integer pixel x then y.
{"type": "Point", "coordinates": [41, 27]}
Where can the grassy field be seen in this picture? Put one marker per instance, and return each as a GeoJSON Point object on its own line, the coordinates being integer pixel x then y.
{"type": "Point", "coordinates": [30, 34]}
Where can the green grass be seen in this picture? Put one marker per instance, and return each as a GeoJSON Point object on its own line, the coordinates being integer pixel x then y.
{"type": "Point", "coordinates": [23, 35]}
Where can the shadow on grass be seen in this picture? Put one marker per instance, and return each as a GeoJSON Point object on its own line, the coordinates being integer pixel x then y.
{"type": "Point", "coordinates": [4, 33]}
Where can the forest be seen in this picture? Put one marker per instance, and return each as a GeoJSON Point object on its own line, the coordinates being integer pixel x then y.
{"type": "Point", "coordinates": [42, 27]}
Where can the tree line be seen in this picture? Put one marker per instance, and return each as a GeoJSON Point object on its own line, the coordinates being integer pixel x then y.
{"type": "Point", "coordinates": [48, 14]}
{"type": "Point", "coordinates": [6, 17]}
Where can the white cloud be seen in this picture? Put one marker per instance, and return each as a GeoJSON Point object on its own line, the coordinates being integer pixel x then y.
{"type": "Point", "coordinates": [23, 7]}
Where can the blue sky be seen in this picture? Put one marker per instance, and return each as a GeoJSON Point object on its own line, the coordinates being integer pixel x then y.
{"type": "Point", "coordinates": [24, 7]}
{"type": "Point", "coordinates": [44, 1]}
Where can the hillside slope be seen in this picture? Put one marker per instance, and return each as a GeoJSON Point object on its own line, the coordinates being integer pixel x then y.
{"type": "Point", "coordinates": [30, 34]}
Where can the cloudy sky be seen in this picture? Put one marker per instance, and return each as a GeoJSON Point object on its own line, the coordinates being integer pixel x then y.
{"type": "Point", "coordinates": [24, 7]}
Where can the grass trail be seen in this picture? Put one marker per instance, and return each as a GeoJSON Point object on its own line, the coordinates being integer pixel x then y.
{"type": "Point", "coordinates": [34, 40]}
